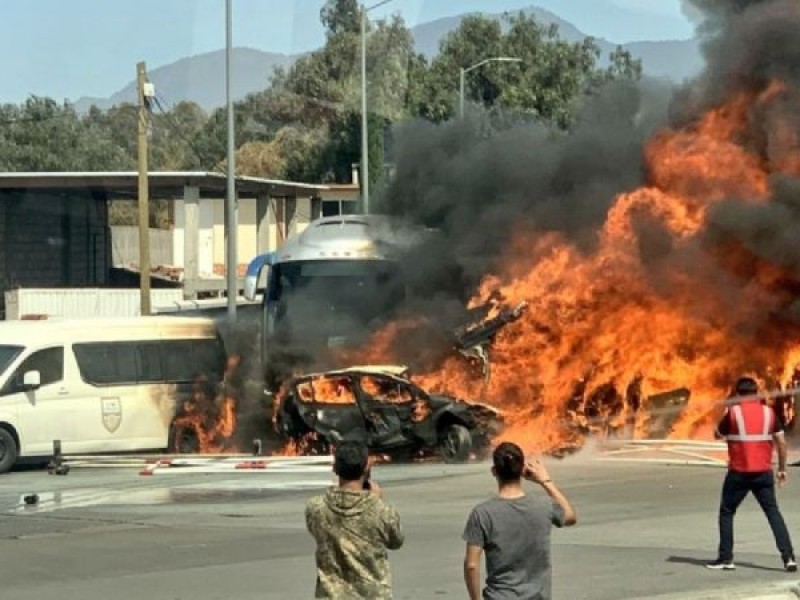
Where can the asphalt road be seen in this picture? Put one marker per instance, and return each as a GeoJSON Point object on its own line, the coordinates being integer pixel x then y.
{"type": "Point", "coordinates": [644, 530]}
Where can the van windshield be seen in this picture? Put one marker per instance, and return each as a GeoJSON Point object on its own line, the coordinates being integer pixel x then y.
{"type": "Point", "coordinates": [7, 355]}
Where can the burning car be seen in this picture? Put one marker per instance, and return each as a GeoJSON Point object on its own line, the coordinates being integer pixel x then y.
{"type": "Point", "coordinates": [382, 407]}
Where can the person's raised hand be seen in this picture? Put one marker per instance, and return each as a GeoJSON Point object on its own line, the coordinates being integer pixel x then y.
{"type": "Point", "coordinates": [536, 472]}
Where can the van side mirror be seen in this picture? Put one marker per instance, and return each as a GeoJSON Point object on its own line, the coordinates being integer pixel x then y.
{"type": "Point", "coordinates": [31, 380]}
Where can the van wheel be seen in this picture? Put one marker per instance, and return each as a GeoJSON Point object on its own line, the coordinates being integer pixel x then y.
{"type": "Point", "coordinates": [455, 443]}
{"type": "Point", "coordinates": [182, 441]}
{"type": "Point", "coordinates": [8, 451]}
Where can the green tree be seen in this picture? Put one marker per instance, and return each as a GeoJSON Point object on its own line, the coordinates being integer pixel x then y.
{"type": "Point", "coordinates": [42, 135]}
{"type": "Point", "coordinates": [340, 16]}
{"type": "Point", "coordinates": [546, 84]}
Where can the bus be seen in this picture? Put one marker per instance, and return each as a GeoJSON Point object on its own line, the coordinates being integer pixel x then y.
{"type": "Point", "coordinates": [328, 288]}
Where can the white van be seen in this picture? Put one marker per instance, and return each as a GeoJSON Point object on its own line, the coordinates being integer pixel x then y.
{"type": "Point", "coordinates": [99, 385]}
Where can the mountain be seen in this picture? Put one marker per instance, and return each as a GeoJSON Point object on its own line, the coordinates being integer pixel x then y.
{"type": "Point", "coordinates": [201, 78]}
{"type": "Point", "coordinates": [672, 59]}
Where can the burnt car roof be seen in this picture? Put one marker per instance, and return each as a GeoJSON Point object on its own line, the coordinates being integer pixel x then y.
{"type": "Point", "coordinates": [395, 371]}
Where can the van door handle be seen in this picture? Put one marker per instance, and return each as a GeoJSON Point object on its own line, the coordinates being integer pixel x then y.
{"type": "Point", "coordinates": [63, 391]}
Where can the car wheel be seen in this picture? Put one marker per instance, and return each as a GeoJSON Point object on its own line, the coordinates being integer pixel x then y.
{"type": "Point", "coordinates": [455, 443]}
{"type": "Point", "coordinates": [8, 451]}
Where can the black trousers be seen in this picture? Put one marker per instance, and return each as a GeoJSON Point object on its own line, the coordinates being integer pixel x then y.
{"type": "Point", "coordinates": [734, 490]}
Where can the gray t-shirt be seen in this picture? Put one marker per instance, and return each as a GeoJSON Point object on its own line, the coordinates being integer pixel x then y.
{"type": "Point", "coordinates": [515, 535]}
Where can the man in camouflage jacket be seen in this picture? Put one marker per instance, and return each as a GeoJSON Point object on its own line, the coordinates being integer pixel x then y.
{"type": "Point", "coordinates": [353, 527]}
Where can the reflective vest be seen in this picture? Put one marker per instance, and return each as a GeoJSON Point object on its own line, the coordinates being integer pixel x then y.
{"type": "Point", "coordinates": [751, 425]}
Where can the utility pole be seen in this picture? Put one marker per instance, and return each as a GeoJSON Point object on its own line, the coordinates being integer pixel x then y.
{"type": "Point", "coordinates": [145, 91]}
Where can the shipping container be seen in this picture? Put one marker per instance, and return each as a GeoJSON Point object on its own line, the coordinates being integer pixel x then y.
{"type": "Point", "coordinates": [75, 303]}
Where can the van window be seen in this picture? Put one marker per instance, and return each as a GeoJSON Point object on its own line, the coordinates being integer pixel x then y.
{"type": "Point", "coordinates": [148, 361]}
{"type": "Point", "coordinates": [120, 363]}
{"type": "Point", "coordinates": [49, 363]}
{"type": "Point", "coordinates": [7, 355]}
{"type": "Point", "coordinates": [184, 360]}
{"type": "Point", "coordinates": [107, 363]}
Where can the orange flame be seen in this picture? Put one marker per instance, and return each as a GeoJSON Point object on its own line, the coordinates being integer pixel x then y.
{"type": "Point", "coordinates": [625, 314]}
{"type": "Point", "coordinates": [210, 416]}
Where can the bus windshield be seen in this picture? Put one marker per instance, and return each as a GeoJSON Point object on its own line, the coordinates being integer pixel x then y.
{"type": "Point", "coordinates": [343, 294]}
{"type": "Point", "coordinates": [7, 355]}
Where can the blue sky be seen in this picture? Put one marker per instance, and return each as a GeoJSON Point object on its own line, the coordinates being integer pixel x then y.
{"type": "Point", "coordinates": [73, 48]}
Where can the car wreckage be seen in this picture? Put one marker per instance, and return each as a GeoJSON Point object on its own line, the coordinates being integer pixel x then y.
{"type": "Point", "coordinates": [382, 407]}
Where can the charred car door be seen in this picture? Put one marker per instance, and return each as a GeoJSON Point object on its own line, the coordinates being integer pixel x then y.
{"type": "Point", "coordinates": [328, 407]}
{"type": "Point", "coordinates": [388, 407]}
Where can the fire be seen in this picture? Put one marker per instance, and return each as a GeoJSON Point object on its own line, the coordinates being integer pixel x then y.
{"type": "Point", "coordinates": [306, 445]}
{"type": "Point", "coordinates": [209, 415]}
{"type": "Point", "coordinates": [327, 390]}
{"type": "Point", "coordinates": [655, 305]}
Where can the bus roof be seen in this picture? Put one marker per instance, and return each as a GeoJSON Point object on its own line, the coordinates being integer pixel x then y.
{"type": "Point", "coordinates": [65, 331]}
{"type": "Point", "coordinates": [353, 237]}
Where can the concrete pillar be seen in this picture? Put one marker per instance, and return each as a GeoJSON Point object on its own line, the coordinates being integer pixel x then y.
{"type": "Point", "coordinates": [191, 241]}
{"type": "Point", "coordinates": [263, 243]}
{"type": "Point", "coordinates": [280, 219]}
{"type": "Point", "coordinates": [289, 214]}
{"type": "Point", "coordinates": [316, 208]}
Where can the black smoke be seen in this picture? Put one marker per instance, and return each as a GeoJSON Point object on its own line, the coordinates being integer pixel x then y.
{"type": "Point", "coordinates": [746, 44]}
{"type": "Point", "coordinates": [476, 182]}
{"type": "Point", "coordinates": [754, 47]}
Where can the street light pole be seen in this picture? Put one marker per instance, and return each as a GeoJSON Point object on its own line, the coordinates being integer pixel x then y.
{"type": "Point", "coordinates": [463, 72]}
{"type": "Point", "coordinates": [364, 126]}
{"type": "Point", "coordinates": [364, 129]}
{"type": "Point", "coordinates": [231, 224]}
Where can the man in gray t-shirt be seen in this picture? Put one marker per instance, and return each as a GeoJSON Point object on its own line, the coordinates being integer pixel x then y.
{"type": "Point", "coordinates": [513, 529]}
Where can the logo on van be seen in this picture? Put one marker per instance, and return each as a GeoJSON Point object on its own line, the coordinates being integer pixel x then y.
{"type": "Point", "coordinates": [112, 413]}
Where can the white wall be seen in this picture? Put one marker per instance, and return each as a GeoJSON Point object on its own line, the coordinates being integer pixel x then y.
{"type": "Point", "coordinates": [212, 230]}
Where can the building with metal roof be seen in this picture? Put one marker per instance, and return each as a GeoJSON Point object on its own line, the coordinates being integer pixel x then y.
{"type": "Point", "coordinates": [55, 230]}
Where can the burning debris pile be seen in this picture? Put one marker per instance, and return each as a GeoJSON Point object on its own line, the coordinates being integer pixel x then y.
{"type": "Point", "coordinates": [650, 259]}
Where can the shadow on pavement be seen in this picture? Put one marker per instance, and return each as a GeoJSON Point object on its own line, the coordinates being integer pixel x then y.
{"type": "Point", "coordinates": [701, 562]}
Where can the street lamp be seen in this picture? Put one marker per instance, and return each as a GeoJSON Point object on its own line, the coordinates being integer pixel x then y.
{"type": "Point", "coordinates": [364, 132]}
{"type": "Point", "coordinates": [231, 224]}
{"type": "Point", "coordinates": [475, 66]}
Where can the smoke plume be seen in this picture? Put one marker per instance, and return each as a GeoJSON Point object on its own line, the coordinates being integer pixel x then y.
{"type": "Point", "coordinates": [475, 183]}
{"type": "Point", "coordinates": [654, 242]}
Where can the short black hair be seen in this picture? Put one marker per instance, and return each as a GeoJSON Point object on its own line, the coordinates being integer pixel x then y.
{"type": "Point", "coordinates": [350, 460]}
{"type": "Point", "coordinates": [509, 461]}
{"type": "Point", "coordinates": [746, 386]}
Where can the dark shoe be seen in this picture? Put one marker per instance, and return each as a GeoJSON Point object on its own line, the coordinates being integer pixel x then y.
{"type": "Point", "coordinates": [790, 565]}
{"type": "Point", "coordinates": [726, 565]}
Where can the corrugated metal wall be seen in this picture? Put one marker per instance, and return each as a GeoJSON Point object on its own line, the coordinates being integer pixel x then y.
{"type": "Point", "coordinates": [84, 303]}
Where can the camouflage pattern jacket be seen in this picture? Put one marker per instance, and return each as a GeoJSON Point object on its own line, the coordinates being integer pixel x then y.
{"type": "Point", "coordinates": [353, 530]}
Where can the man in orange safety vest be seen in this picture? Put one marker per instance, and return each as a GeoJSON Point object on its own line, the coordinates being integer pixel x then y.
{"type": "Point", "coordinates": [753, 431]}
